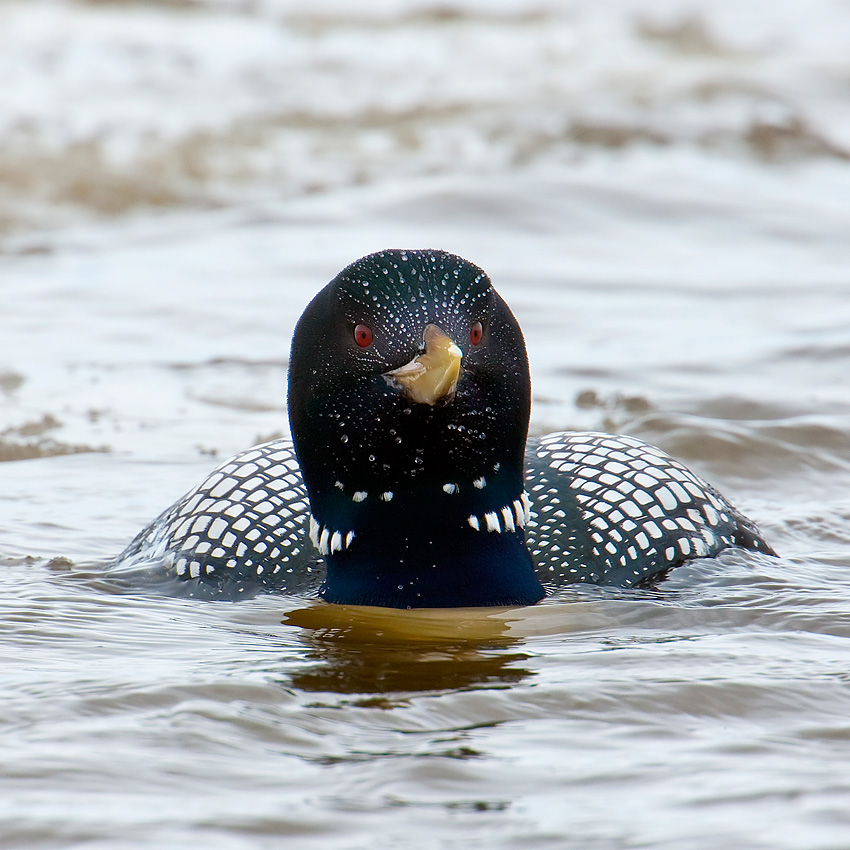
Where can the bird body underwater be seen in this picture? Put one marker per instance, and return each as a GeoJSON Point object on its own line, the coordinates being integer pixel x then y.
{"type": "Point", "coordinates": [409, 482]}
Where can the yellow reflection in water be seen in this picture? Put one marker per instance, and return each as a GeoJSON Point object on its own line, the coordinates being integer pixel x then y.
{"type": "Point", "coordinates": [385, 669]}
{"type": "Point", "coordinates": [365, 624]}
{"type": "Point", "coordinates": [366, 650]}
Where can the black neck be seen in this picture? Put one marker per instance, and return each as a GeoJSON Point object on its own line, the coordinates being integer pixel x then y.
{"type": "Point", "coordinates": [429, 547]}
{"type": "Point", "coordinates": [467, 568]}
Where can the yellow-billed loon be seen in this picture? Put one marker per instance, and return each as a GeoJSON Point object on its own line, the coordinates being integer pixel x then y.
{"type": "Point", "coordinates": [408, 481]}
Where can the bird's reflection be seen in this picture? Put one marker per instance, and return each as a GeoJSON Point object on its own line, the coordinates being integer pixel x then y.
{"type": "Point", "coordinates": [381, 651]}
{"type": "Point", "coordinates": [347, 669]}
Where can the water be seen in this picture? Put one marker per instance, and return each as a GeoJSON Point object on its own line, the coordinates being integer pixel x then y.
{"type": "Point", "coordinates": [660, 190]}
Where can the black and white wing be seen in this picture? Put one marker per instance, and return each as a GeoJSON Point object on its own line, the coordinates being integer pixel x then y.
{"type": "Point", "coordinates": [614, 510]}
{"type": "Point", "coordinates": [245, 528]}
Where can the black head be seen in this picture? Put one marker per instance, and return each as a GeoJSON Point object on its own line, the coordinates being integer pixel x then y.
{"type": "Point", "coordinates": [399, 479]}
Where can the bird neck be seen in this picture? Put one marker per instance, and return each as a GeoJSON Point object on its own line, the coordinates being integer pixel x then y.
{"type": "Point", "coordinates": [453, 545]}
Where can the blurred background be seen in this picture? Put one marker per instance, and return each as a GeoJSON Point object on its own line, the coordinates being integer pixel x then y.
{"type": "Point", "coordinates": [112, 108]}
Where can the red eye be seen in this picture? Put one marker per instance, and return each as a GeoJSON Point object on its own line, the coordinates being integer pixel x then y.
{"type": "Point", "coordinates": [363, 336]}
{"type": "Point", "coordinates": [476, 332]}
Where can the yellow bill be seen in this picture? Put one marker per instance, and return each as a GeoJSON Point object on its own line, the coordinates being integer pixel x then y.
{"type": "Point", "coordinates": [431, 376]}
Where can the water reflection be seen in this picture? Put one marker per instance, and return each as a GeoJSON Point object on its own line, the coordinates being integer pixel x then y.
{"type": "Point", "coordinates": [360, 650]}
{"type": "Point", "coordinates": [380, 669]}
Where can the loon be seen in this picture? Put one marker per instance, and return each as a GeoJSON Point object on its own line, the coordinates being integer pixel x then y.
{"type": "Point", "coordinates": [409, 481]}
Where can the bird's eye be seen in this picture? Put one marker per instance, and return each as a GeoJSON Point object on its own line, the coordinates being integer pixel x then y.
{"type": "Point", "coordinates": [476, 333]}
{"type": "Point", "coordinates": [363, 336]}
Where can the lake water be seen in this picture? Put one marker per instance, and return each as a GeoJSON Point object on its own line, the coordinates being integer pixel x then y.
{"type": "Point", "coordinates": [661, 192]}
